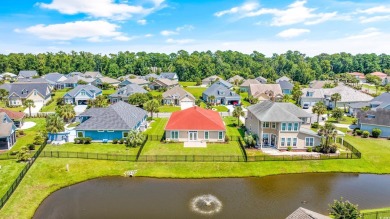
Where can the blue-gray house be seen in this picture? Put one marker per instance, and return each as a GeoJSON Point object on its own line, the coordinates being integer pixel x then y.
{"type": "Point", "coordinates": [7, 132]}
{"type": "Point", "coordinates": [286, 86]}
{"type": "Point", "coordinates": [218, 93]}
{"type": "Point", "coordinates": [81, 94]}
{"type": "Point", "coordinates": [113, 122]}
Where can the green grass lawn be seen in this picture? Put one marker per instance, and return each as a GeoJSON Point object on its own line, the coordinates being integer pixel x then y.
{"type": "Point", "coordinates": [10, 169]}
{"type": "Point", "coordinates": [16, 109]}
{"type": "Point", "coordinates": [253, 152]}
{"type": "Point", "coordinates": [221, 108]}
{"type": "Point", "coordinates": [49, 174]}
{"type": "Point", "coordinates": [372, 90]}
{"type": "Point", "coordinates": [243, 101]}
{"type": "Point", "coordinates": [155, 93]}
{"type": "Point", "coordinates": [231, 127]}
{"type": "Point", "coordinates": [108, 92]}
{"type": "Point", "coordinates": [157, 126]}
{"type": "Point", "coordinates": [345, 120]}
{"type": "Point", "coordinates": [187, 83]}
{"type": "Point", "coordinates": [196, 91]}
{"type": "Point", "coordinates": [158, 148]}
{"type": "Point", "coordinates": [52, 106]}
{"type": "Point", "coordinates": [168, 109]}
{"type": "Point", "coordinates": [106, 148]}
{"type": "Point", "coordinates": [30, 133]}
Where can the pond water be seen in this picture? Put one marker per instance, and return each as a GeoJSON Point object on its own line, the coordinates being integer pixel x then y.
{"type": "Point", "coordinates": [265, 197]}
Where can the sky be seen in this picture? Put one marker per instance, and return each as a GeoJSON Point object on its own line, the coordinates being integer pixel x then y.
{"type": "Point", "coordinates": [267, 26]}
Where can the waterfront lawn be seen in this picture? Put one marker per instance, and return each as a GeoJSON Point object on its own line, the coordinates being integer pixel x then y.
{"type": "Point", "coordinates": [104, 148]}
{"type": "Point", "coordinates": [253, 152]}
{"type": "Point", "coordinates": [57, 95]}
{"type": "Point", "coordinates": [29, 134]}
{"type": "Point", "coordinates": [187, 83]}
{"type": "Point", "coordinates": [196, 91]}
{"type": "Point", "coordinates": [231, 127]}
{"type": "Point", "coordinates": [157, 126]}
{"type": "Point", "coordinates": [9, 170]}
{"type": "Point", "coordinates": [168, 109]}
{"type": "Point", "coordinates": [213, 149]}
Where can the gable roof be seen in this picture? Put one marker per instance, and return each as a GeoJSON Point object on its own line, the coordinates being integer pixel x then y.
{"type": "Point", "coordinates": [248, 82]}
{"type": "Point", "coordinates": [74, 79]}
{"type": "Point", "coordinates": [177, 92]}
{"type": "Point", "coordinates": [303, 213]}
{"type": "Point", "coordinates": [12, 114]}
{"type": "Point", "coordinates": [317, 93]}
{"type": "Point", "coordinates": [28, 74]}
{"type": "Point", "coordinates": [109, 80]}
{"type": "Point", "coordinates": [168, 75]}
{"type": "Point", "coordinates": [6, 87]}
{"type": "Point", "coordinates": [152, 75]}
{"type": "Point", "coordinates": [382, 117]}
{"type": "Point", "coordinates": [128, 90]}
{"type": "Point", "coordinates": [90, 89]}
{"type": "Point", "coordinates": [211, 78]}
{"type": "Point", "coordinates": [261, 79]}
{"type": "Point", "coordinates": [92, 74]}
{"type": "Point", "coordinates": [269, 111]}
{"type": "Point", "coordinates": [348, 94]}
{"type": "Point", "coordinates": [165, 82]}
{"type": "Point", "coordinates": [286, 85]}
{"type": "Point", "coordinates": [119, 116]}
{"type": "Point", "coordinates": [137, 81]}
{"type": "Point", "coordinates": [235, 77]}
{"type": "Point", "coordinates": [17, 88]}
{"type": "Point", "coordinates": [284, 78]}
{"type": "Point", "coordinates": [218, 90]}
{"type": "Point", "coordinates": [319, 84]}
{"type": "Point", "coordinates": [53, 77]}
{"type": "Point", "coordinates": [5, 128]}
{"type": "Point", "coordinates": [12, 75]}
{"type": "Point", "coordinates": [379, 74]}
{"type": "Point", "coordinates": [74, 74]}
{"type": "Point", "coordinates": [32, 80]}
{"type": "Point", "coordinates": [224, 83]}
{"type": "Point", "coordinates": [357, 74]}
{"type": "Point", "coordinates": [195, 118]}
{"type": "Point", "coordinates": [258, 89]}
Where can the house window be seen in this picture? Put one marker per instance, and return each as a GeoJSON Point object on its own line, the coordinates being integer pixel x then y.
{"type": "Point", "coordinates": [296, 125]}
{"type": "Point", "coordinates": [309, 94]}
{"type": "Point", "coordinates": [295, 142]}
{"type": "Point", "coordinates": [220, 135]}
{"type": "Point", "coordinates": [125, 134]}
{"type": "Point", "coordinates": [265, 124]}
{"type": "Point", "coordinates": [80, 134]}
{"type": "Point", "coordinates": [82, 93]}
{"type": "Point", "coordinates": [35, 92]}
{"type": "Point", "coordinates": [289, 126]}
{"type": "Point", "coordinates": [174, 134]}
{"type": "Point", "coordinates": [100, 130]}
{"type": "Point", "coordinates": [273, 125]}
{"type": "Point", "coordinates": [309, 142]}
{"type": "Point", "coordinates": [288, 141]}
{"type": "Point", "coordinates": [282, 142]}
{"type": "Point", "coordinates": [110, 130]}
{"type": "Point", "coordinates": [206, 135]}
{"type": "Point", "coordinates": [283, 126]}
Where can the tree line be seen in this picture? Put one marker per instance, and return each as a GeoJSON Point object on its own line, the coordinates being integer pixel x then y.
{"type": "Point", "coordinates": [197, 65]}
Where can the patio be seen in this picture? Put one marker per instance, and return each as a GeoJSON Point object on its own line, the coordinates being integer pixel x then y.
{"type": "Point", "coordinates": [195, 144]}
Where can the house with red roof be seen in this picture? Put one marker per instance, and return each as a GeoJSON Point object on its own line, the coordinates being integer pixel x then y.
{"type": "Point", "coordinates": [384, 77]}
{"type": "Point", "coordinates": [16, 117]}
{"type": "Point", "coordinates": [195, 124]}
{"type": "Point", "coordinates": [360, 76]}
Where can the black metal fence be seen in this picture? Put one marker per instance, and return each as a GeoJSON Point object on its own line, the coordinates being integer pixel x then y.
{"type": "Point", "coordinates": [21, 175]}
{"type": "Point", "coordinates": [346, 144]}
{"type": "Point", "coordinates": [86, 155]}
{"type": "Point", "coordinates": [142, 147]}
{"type": "Point", "coordinates": [376, 215]}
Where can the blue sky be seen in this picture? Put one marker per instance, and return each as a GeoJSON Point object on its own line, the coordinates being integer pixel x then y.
{"type": "Point", "coordinates": [105, 26]}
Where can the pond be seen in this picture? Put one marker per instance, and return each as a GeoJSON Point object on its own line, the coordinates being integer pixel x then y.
{"type": "Point", "coordinates": [265, 197]}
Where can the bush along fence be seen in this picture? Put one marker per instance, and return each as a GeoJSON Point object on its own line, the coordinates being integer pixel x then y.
{"type": "Point", "coordinates": [21, 175]}
{"type": "Point", "coordinates": [376, 215]}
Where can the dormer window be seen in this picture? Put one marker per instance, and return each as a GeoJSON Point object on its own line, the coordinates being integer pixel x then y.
{"type": "Point", "coordinates": [83, 93]}
{"type": "Point", "coordinates": [309, 93]}
{"type": "Point", "coordinates": [370, 116]}
{"type": "Point", "coordinates": [35, 92]}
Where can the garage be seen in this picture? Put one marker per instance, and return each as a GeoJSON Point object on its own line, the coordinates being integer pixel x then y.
{"type": "Point", "coordinates": [82, 102]}
{"type": "Point", "coordinates": [186, 103]}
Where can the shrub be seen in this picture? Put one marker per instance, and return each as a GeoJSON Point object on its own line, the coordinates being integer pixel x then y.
{"type": "Point", "coordinates": [317, 149]}
{"type": "Point", "coordinates": [17, 134]}
{"type": "Point", "coordinates": [289, 148]}
{"type": "Point", "coordinates": [388, 138]}
{"type": "Point", "coordinates": [12, 153]}
{"type": "Point", "coordinates": [227, 139]}
{"type": "Point", "coordinates": [309, 149]}
{"type": "Point", "coordinates": [355, 129]}
{"type": "Point", "coordinates": [315, 125]}
{"type": "Point", "coordinates": [115, 141]}
{"type": "Point", "coordinates": [87, 140]}
{"type": "Point", "coordinates": [38, 140]}
{"type": "Point", "coordinates": [21, 132]}
{"type": "Point", "coordinates": [81, 140]}
{"type": "Point", "coordinates": [365, 134]}
{"type": "Point", "coordinates": [354, 121]}
{"type": "Point", "coordinates": [121, 141]}
{"type": "Point", "coordinates": [376, 132]}
{"type": "Point", "coordinates": [344, 209]}
{"type": "Point", "coordinates": [149, 119]}
{"type": "Point", "coordinates": [359, 132]}
{"type": "Point", "coordinates": [31, 147]}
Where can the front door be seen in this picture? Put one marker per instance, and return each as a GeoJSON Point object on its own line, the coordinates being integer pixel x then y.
{"type": "Point", "coordinates": [193, 135]}
{"type": "Point", "coordinates": [273, 140]}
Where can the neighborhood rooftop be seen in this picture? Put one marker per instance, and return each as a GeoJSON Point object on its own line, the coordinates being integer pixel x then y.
{"type": "Point", "coordinates": [278, 112]}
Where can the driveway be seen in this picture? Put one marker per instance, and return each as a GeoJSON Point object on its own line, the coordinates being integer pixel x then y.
{"type": "Point", "coordinates": [80, 109]}
{"type": "Point", "coordinates": [34, 110]}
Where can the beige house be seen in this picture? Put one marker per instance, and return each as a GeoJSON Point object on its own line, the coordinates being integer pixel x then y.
{"type": "Point", "coordinates": [244, 87]}
{"type": "Point", "coordinates": [38, 92]}
{"type": "Point", "coordinates": [266, 92]}
{"type": "Point", "coordinates": [279, 125]}
{"type": "Point", "coordinates": [195, 124]}
{"type": "Point", "coordinates": [209, 80]}
{"type": "Point", "coordinates": [163, 83]}
{"type": "Point", "coordinates": [179, 97]}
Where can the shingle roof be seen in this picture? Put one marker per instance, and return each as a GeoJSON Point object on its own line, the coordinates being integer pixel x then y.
{"type": "Point", "coordinates": [6, 87]}
{"type": "Point", "coordinates": [109, 80]}
{"type": "Point", "coordinates": [382, 117]}
{"type": "Point", "coordinates": [269, 111]}
{"type": "Point", "coordinates": [219, 90]}
{"type": "Point", "coordinates": [168, 75]}
{"type": "Point", "coordinates": [303, 213]}
{"type": "Point", "coordinates": [224, 83]}
{"type": "Point", "coordinates": [12, 75]}
{"type": "Point", "coordinates": [348, 94]}
{"type": "Point", "coordinates": [317, 93]}
{"type": "Point", "coordinates": [32, 80]}
{"type": "Point", "coordinates": [27, 88]}
{"type": "Point", "coordinates": [28, 74]}
{"type": "Point", "coordinates": [138, 81]}
{"type": "Point", "coordinates": [53, 77]}
{"type": "Point", "coordinates": [74, 74]}
{"type": "Point", "coordinates": [195, 118]}
{"type": "Point", "coordinates": [379, 74]}
{"type": "Point", "coordinates": [90, 89]}
{"type": "Point", "coordinates": [177, 93]}
{"type": "Point", "coordinates": [248, 82]}
{"type": "Point", "coordinates": [235, 77]}
{"type": "Point", "coordinates": [211, 78]}
{"type": "Point", "coordinates": [152, 75]}
{"type": "Point", "coordinates": [12, 114]}
{"type": "Point", "coordinates": [92, 74]}
{"type": "Point", "coordinates": [5, 128]}
{"type": "Point", "coordinates": [382, 100]}
{"type": "Point", "coordinates": [76, 78]}
{"type": "Point", "coordinates": [128, 90]}
{"type": "Point", "coordinates": [166, 82]}
{"type": "Point", "coordinates": [318, 84]}
{"type": "Point", "coordinates": [257, 89]}
{"type": "Point", "coordinates": [284, 78]}
{"type": "Point", "coordinates": [286, 85]}
{"type": "Point", "coordinates": [119, 116]}
{"type": "Point", "coordinates": [261, 79]}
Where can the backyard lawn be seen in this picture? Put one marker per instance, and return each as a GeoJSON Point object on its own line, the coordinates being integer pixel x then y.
{"type": "Point", "coordinates": [187, 83]}
{"type": "Point", "coordinates": [155, 93]}
{"type": "Point", "coordinates": [9, 170]}
{"type": "Point", "coordinates": [57, 95]}
{"type": "Point", "coordinates": [30, 133]}
{"type": "Point", "coordinates": [108, 92]}
{"type": "Point", "coordinates": [159, 148]}
{"type": "Point", "coordinates": [168, 109]}
{"type": "Point", "coordinates": [243, 101]}
{"type": "Point", "coordinates": [345, 120]}
{"type": "Point", "coordinates": [221, 108]}
{"type": "Point", "coordinates": [231, 128]}
{"type": "Point", "coordinates": [106, 148]}
{"type": "Point", "coordinates": [16, 109]}
{"type": "Point", "coordinates": [196, 91]}
{"type": "Point", "coordinates": [157, 126]}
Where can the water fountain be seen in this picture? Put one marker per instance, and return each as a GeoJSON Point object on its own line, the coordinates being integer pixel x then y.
{"type": "Point", "coordinates": [206, 204]}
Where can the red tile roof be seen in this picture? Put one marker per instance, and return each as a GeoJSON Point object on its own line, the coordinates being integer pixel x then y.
{"type": "Point", "coordinates": [12, 114]}
{"type": "Point", "coordinates": [195, 118]}
{"type": "Point", "coordinates": [379, 74]}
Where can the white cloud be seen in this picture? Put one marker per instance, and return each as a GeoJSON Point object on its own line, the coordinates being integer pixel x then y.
{"type": "Point", "coordinates": [369, 33]}
{"type": "Point", "coordinates": [142, 22]}
{"type": "Point", "coordinates": [180, 41]}
{"type": "Point", "coordinates": [102, 8]}
{"type": "Point", "coordinates": [148, 35]}
{"type": "Point", "coordinates": [295, 13]}
{"type": "Point", "coordinates": [168, 33]}
{"type": "Point", "coordinates": [292, 32]}
{"type": "Point", "coordinates": [364, 20]}
{"type": "Point", "coordinates": [177, 30]}
{"type": "Point", "coordinates": [375, 10]}
{"type": "Point", "coordinates": [93, 31]}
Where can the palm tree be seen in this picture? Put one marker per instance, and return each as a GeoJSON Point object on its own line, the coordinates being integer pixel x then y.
{"type": "Point", "coordinates": [66, 112]}
{"type": "Point", "coordinates": [319, 108]}
{"type": "Point", "coordinates": [99, 102]}
{"type": "Point", "coordinates": [29, 103]}
{"type": "Point", "coordinates": [237, 112]}
{"type": "Point", "coordinates": [212, 99]}
{"type": "Point", "coordinates": [3, 94]}
{"type": "Point", "coordinates": [152, 106]}
{"type": "Point", "coordinates": [135, 138]}
{"type": "Point", "coordinates": [54, 123]}
{"type": "Point", "coordinates": [335, 97]}
{"type": "Point", "coordinates": [236, 82]}
{"type": "Point", "coordinates": [328, 131]}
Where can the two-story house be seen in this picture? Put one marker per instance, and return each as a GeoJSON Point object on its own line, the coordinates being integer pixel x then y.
{"type": "Point", "coordinates": [220, 94]}
{"type": "Point", "coordinates": [7, 132]}
{"type": "Point", "coordinates": [81, 94]}
{"type": "Point", "coordinates": [279, 125]}
{"type": "Point", "coordinates": [38, 92]}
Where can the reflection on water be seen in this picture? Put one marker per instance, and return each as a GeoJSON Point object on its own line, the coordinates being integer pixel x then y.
{"type": "Point", "coordinates": [266, 197]}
